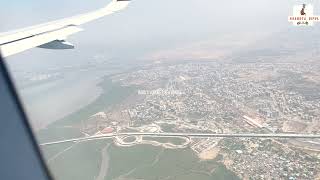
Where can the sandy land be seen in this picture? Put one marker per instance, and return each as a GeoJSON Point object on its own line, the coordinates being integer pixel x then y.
{"type": "Point", "coordinates": [209, 154]}
{"type": "Point", "coordinates": [294, 126]}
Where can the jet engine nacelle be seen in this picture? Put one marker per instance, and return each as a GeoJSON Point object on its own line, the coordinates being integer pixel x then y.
{"type": "Point", "coordinates": [57, 44]}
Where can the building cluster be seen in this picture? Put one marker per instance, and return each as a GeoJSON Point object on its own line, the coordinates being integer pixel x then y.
{"type": "Point", "coordinates": [263, 159]}
{"type": "Point", "coordinates": [274, 93]}
{"type": "Point", "coordinates": [230, 98]}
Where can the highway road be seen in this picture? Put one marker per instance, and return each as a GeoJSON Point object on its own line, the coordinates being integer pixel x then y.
{"type": "Point", "coordinates": [198, 135]}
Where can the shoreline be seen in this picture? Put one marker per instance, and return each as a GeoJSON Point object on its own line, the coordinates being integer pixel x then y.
{"type": "Point", "coordinates": [51, 102]}
{"type": "Point", "coordinates": [74, 106]}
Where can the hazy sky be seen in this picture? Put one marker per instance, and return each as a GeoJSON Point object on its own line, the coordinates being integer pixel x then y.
{"type": "Point", "coordinates": [148, 28]}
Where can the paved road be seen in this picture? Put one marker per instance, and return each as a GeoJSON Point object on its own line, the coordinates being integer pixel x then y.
{"type": "Point", "coordinates": [199, 135]}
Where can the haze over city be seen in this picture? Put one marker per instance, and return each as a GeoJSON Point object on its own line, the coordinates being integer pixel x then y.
{"type": "Point", "coordinates": [154, 77]}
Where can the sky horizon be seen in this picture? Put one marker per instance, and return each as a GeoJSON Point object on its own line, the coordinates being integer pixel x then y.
{"type": "Point", "coordinates": [149, 29]}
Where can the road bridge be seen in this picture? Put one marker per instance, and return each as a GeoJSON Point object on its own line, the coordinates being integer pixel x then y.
{"type": "Point", "coordinates": [198, 135]}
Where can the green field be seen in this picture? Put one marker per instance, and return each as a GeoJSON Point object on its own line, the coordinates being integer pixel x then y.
{"type": "Point", "coordinates": [129, 139]}
{"type": "Point", "coordinates": [82, 162]}
{"type": "Point", "coordinates": [173, 140]}
{"type": "Point", "coordinates": [149, 162]}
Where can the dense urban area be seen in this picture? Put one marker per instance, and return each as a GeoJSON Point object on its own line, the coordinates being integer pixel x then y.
{"type": "Point", "coordinates": [210, 97]}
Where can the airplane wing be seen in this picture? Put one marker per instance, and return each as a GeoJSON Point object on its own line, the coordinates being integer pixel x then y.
{"type": "Point", "coordinates": [52, 35]}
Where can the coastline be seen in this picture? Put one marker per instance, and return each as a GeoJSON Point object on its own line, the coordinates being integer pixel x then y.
{"type": "Point", "coordinates": [50, 102]}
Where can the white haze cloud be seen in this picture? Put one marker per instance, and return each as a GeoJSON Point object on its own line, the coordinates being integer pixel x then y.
{"type": "Point", "coordinates": [147, 27]}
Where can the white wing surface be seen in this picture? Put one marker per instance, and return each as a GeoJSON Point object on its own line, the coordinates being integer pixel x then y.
{"type": "Point", "coordinates": [52, 35]}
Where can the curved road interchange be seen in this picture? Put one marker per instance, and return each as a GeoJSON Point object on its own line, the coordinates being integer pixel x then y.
{"type": "Point", "coordinates": [198, 135]}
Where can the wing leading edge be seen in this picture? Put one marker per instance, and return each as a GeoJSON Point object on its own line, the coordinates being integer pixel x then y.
{"type": "Point", "coordinates": [52, 35]}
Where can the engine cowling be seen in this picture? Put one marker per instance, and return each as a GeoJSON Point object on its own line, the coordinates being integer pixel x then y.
{"type": "Point", "coordinates": [57, 44]}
